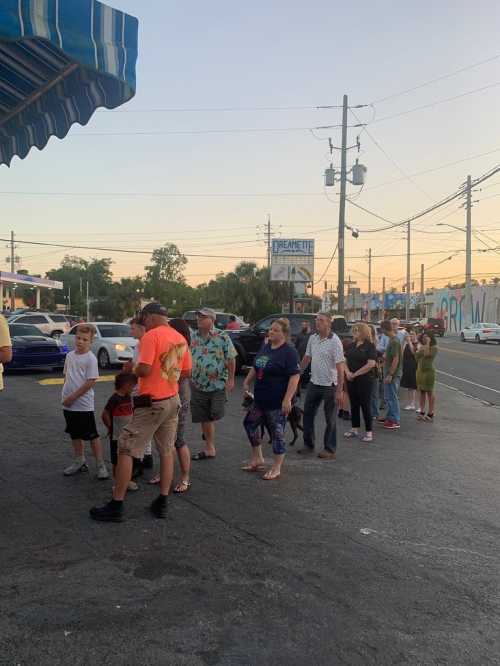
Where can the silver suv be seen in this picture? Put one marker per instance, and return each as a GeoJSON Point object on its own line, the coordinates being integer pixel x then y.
{"type": "Point", "coordinates": [53, 325]}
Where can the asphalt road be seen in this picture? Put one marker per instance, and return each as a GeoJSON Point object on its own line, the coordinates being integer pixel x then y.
{"type": "Point", "coordinates": [388, 556]}
{"type": "Point", "coordinates": [471, 368]}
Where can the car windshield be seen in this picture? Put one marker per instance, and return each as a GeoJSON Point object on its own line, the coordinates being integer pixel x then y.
{"type": "Point", "coordinates": [114, 331]}
{"type": "Point", "coordinates": [23, 329]}
{"type": "Point", "coordinates": [491, 325]}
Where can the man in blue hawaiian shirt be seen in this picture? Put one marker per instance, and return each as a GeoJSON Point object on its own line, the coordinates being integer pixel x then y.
{"type": "Point", "coordinates": [213, 374]}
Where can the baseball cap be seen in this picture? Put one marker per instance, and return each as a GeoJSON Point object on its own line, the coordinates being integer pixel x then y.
{"type": "Point", "coordinates": [152, 309]}
{"type": "Point", "coordinates": [207, 312]}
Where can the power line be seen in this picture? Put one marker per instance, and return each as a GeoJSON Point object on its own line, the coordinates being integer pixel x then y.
{"type": "Point", "coordinates": [212, 256]}
{"type": "Point", "coordinates": [224, 109]}
{"type": "Point", "coordinates": [241, 130]}
{"type": "Point", "coordinates": [440, 204]}
{"type": "Point", "coordinates": [436, 103]}
{"type": "Point", "coordinates": [328, 266]}
{"type": "Point", "coordinates": [391, 159]}
{"type": "Point", "coordinates": [439, 78]}
{"type": "Point", "coordinates": [173, 195]}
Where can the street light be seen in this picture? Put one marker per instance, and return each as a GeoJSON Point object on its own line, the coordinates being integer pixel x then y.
{"type": "Point", "coordinates": [452, 226]}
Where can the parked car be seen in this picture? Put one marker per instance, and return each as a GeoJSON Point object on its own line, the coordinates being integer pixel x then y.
{"type": "Point", "coordinates": [481, 332]}
{"type": "Point", "coordinates": [248, 342]}
{"type": "Point", "coordinates": [221, 321]}
{"type": "Point", "coordinates": [47, 323]}
{"type": "Point", "coordinates": [31, 349]}
{"type": "Point", "coordinates": [113, 343]}
{"type": "Point", "coordinates": [435, 325]}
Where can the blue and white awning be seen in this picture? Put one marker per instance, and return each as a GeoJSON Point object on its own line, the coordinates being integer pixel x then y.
{"type": "Point", "coordinates": [59, 61]}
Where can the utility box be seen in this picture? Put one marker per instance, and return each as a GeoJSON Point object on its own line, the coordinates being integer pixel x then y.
{"type": "Point", "coordinates": [359, 174]}
{"type": "Point", "coordinates": [330, 177]}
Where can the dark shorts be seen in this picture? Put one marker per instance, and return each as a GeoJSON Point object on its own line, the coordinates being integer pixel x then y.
{"type": "Point", "coordinates": [207, 405]}
{"type": "Point", "coordinates": [81, 425]}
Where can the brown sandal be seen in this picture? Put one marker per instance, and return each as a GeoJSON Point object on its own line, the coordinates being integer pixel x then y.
{"type": "Point", "coordinates": [182, 487]}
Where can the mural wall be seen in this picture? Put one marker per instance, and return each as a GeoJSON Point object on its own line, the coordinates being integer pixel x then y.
{"type": "Point", "coordinates": [457, 311]}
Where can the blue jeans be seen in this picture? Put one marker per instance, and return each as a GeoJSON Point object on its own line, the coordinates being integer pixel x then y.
{"type": "Point", "coordinates": [392, 399]}
{"type": "Point", "coordinates": [315, 395]}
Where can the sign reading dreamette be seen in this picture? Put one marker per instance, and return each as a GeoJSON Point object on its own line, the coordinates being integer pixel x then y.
{"type": "Point", "coordinates": [292, 260]}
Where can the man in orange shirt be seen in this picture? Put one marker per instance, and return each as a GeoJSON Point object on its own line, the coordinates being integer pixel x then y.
{"type": "Point", "coordinates": [163, 358]}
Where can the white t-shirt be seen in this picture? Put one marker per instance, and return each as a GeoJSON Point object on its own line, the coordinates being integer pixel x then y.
{"type": "Point", "coordinates": [325, 353]}
{"type": "Point", "coordinates": [78, 369]}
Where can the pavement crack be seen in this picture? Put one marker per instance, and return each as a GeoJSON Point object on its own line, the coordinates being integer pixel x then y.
{"type": "Point", "coordinates": [229, 524]}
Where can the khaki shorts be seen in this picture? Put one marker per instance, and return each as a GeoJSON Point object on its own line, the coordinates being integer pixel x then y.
{"type": "Point", "coordinates": [158, 422]}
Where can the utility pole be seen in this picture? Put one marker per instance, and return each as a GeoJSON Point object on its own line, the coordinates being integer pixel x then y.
{"type": "Point", "coordinates": [12, 253]}
{"type": "Point", "coordinates": [370, 272]}
{"type": "Point", "coordinates": [291, 285]}
{"type": "Point", "coordinates": [383, 298]}
{"type": "Point", "coordinates": [268, 235]}
{"type": "Point", "coordinates": [12, 270]}
{"type": "Point", "coordinates": [343, 188]}
{"type": "Point", "coordinates": [88, 302]}
{"type": "Point", "coordinates": [422, 290]}
{"type": "Point", "coordinates": [468, 253]}
{"type": "Point", "coordinates": [408, 271]}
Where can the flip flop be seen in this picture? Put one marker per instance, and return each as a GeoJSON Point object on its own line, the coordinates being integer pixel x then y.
{"type": "Point", "coordinates": [253, 468]}
{"type": "Point", "coordinates": [155, 480]}
{"type": "Point", "coordinates": [201, 456]}
{"type": "Point", "coordinates": [186, 485]}
{"type": "Point", "coordinates": [270, 478]}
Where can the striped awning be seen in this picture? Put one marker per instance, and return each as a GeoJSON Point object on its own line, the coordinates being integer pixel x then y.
{"type": "Point", "coordinates": [59, 61]}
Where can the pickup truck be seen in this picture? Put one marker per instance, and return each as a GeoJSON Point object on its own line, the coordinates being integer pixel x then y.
{"type": "Point", "coordinates": [248, 342]}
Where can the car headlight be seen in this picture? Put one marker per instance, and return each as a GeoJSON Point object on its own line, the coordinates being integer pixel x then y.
{"type": "Point", "coordinates": [121, 347]}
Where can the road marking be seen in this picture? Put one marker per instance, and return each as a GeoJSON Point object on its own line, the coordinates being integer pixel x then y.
{"type": "Point", "coordinates": [495, 359]}
{"type": "Point", "coordinates": [467, 381]}
{"type": "Point", "coordinates": [59, 381]}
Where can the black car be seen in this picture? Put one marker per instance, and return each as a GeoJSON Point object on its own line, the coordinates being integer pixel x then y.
{"type": "Point", "coordinates": [31, 349]}
{"type": "Point", "coordinates": [436, 326]}
{"type": "Point", "coordinates": [249, 341]}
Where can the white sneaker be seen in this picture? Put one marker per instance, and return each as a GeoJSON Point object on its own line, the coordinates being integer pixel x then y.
{"type": "Point", "coordinates": [76, 467]}
{"type": "Point", "coordinates": [409, 408]}
{"type": "Point", "coordinates": [102, 472]}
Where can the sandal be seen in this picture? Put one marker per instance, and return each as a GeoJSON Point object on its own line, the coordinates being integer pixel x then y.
{"type": "Point", "coordinates": [155, 480]}
{"type": "Point", "coordinates": [182, 487]}
{"type": "Point", "coordinates": [269, 476]}
{"type": "Point", "coordinates": [253, 468]}
{"type": "Point", "coordinates": [202, 456]}
{"type": "Point", "coordinates": [350, 434]}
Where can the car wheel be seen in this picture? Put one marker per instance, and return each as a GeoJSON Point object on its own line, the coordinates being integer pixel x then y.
{"type": "Point", "coordinates": [462, 337]}
{"type": "Point", "coordinates": [103, 359]}
{"type": "Point", "coordinates": [477, 338]}
{"type": "Point", "coordinates": [56, 334]}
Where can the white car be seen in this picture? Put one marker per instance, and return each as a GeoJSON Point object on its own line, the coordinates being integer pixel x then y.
{"type": "Point", "coordinates": [481, 332]}
{"type": "Point", "coordinates": [53, 325]}
{"type": "Point", "coordinates": [113, 343]}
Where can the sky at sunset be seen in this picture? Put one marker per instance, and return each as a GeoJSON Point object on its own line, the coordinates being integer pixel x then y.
{"type": "Point", "coordinates": [148, 173]}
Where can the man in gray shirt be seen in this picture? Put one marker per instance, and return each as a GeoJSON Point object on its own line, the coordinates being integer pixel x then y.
{"type": "Point", "coordinates": [325, 355]}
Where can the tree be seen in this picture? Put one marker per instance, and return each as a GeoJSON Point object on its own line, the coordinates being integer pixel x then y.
{"type": "Point", "coordinates": [167, 265]}
{"type": "Point", "coordinates": [247, 291]}
{"type": "Point", "coordinates": [165, 280]}
{"type": "Point", "coordinates": [122, 300]}
{"type": "Point", "coordinates": [75, 273]}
